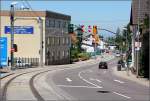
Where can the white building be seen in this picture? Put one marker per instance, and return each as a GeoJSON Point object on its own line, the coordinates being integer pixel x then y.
{"type": "Point", "coordinates": [88, 47]}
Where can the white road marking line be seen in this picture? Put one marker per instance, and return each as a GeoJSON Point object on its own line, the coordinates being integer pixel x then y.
{"type": "Point", "coordinates": [122, 95]}
{"type": "Point", "coordinates": [87, 80]}
{"type": "Point", "coordinates": [98, 80]}
{"type": "Point", "coordinates": [76, 86]}
{"type": "Point", "coordinates": [92, 79]}
{"type": "Point", "coordinates": [119, 81]}
{"type": "Point", "coordinates": [68, 79]}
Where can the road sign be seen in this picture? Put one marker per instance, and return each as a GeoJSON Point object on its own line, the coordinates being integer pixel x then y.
{"type": "Point", "coordinates": [138, 44]}
{"type": "Point", "coordinates": [3, 51]}
{"type": "Point", "coordinates": [19, 29]}
{"type": "Point", "coordinates": [137, 49]}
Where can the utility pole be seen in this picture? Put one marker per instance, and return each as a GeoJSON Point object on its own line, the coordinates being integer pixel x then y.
{"type": "Point", "coordinates": [137, 56]}
{"type": "Point", "coordinates": [41, 41]}
{"type": "Point", "coordinates": [127, 53]}
{"type": "Point", "coordinates": [12, 35]}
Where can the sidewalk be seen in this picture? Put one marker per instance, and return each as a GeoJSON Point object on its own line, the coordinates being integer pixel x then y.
{"type": "Point", "coordinates": [132, 77]}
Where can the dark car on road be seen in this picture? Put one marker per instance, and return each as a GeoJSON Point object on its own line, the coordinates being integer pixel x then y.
{"type": "Point", "coordinates": [103, 65]}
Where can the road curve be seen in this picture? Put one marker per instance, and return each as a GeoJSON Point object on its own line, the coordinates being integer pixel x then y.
{"type": "Point", "coordinates": [90, 83]}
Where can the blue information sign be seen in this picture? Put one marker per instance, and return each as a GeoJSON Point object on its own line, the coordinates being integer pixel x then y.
{"type": "Point", "coordinates": [19, 29]}
{"type": "Point", "coordinates": [3, 51]}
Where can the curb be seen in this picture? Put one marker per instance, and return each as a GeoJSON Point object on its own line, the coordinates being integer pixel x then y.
{"type": "Point", "coordinates": [6, 75]}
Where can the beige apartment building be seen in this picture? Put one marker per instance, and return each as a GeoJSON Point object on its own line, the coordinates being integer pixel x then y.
{"type": "Point", "coordinates": [56, 40]}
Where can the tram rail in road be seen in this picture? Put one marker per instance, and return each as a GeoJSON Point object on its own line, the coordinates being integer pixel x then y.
{"type": "Point", "coordinates": [31, 84]}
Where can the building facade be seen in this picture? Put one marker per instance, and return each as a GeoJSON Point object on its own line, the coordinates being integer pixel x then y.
{"type": "Point", "coordinates": [140, 12]}
{"type": "Point", "coordinates": [27, 35]}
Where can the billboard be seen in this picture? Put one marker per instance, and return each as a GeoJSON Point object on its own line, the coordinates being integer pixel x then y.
{"type": "Point", "coordinates": [3, 51]}
{"type": "Point", "coordinates": [20, 29]}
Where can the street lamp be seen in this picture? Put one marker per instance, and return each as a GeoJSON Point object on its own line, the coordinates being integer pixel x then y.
{"type": "Point", "coordinates": [12, 10]}
{"type": "Point", "coordinates": [41, 41]}
{"type": "Point", "coordinates": [125, 29]}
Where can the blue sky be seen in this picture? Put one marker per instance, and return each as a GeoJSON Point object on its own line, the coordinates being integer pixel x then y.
{"type": "Point", "coordinates": [106, 14]}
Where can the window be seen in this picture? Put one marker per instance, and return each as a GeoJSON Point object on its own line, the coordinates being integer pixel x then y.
{"type": "Point", "coordinates": [63, 53]}
{"type": "Point", "coordinates": [67, 53]}
{"type": "Point", "coordinates": [48, 41]}
{"type": "Point", "coordinates": [63, 40]}
{"type": "Point", "coordinates": [52, 23]}
{"type": "Point", "coordinates": [67, 24]}
{"type": "Point", "coordinates": [47, 49]}
{"type": "Point", "coordinates": [67, 41]}
{"type": "Point", "coordinates": [58, 40]}
{"type": "Point", "coordinates": [64, 24]}
{"type": "Point", "coordinates": [58, 24]}
{"type": "Point", "coordinates": [53, 40]}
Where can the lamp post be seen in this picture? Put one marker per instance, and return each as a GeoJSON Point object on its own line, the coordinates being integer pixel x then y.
{"type": "Point", "coordinates": [41, 41]}
{"type": "Point", "coordinates": [138, 30]}
{"type": "Point", "coordinates": [12, 20]}
{"type": "Point", "coordinates": [125, 29]}
{"type": "Point", "coordinates": [12, 10]}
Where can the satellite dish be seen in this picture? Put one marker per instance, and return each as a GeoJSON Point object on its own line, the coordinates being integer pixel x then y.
{"type": "Point", "coordinates": [14, 3]}
{"type": "Point", "coordinates": [22, 7]}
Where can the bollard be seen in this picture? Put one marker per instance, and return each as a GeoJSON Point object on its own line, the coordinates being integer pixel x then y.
{"type": "Point", "coordinates": [119, 67]}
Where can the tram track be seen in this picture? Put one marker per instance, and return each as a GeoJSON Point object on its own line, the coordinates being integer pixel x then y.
{"type": "Point", "coordinates": [31, 84]}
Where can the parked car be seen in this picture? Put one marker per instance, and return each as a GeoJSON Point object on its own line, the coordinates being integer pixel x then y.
{"type": "Point", "coordinates": [118, 55]}
{"type": "Point", "coordinates": [103, 65]}
{"type": "Point", "coordinates": [107, 51]}
{"type": "Point", "coordinates": [21, 63]}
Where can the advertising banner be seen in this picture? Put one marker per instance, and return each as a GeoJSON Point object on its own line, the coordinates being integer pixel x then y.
{"type": "Point", "coordinates": [3, 51]}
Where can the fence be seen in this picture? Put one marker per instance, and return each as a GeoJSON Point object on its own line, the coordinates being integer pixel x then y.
{"type": "Point", "coordinates": [25, 62]}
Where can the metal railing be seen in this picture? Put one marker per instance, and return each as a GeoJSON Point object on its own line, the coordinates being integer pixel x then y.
{"type": "Point", "coordinates": [22, 62]}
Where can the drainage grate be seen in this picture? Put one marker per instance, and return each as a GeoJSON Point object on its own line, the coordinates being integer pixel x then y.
{"type": "Point", "coordinates": [103, 91]}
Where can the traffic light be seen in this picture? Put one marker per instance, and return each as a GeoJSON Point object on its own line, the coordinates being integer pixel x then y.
{"type": "Point", "coordinates": [94, 29]}
{"type": "Point", "coordinates": [95, 35]}
{"type": "Point", "coordinates": [15, 47]}
{"type": "Point", "coordinates": [82, 28]}
{"type": "Point", "coordinates": [70, 28]}
{"type": "Point", "coordinates": [89, 28]}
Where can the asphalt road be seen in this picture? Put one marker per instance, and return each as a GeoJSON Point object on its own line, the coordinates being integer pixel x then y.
{"type": "Point", "coordinates": [90, 83]}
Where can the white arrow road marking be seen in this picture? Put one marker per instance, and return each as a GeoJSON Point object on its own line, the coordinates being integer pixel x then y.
{"type": "Point", "coordinates": [95, 80]}
{"type": "Point", "coordinates": [68, 79]}
{"type": "Point", "coordinates": [122, 95]}
{"type": "Point", "coordinates": [76, 86]}
{"type": "Point", "coordinates": [119, 81]}
{"type": "Point", "coordinates": [87, 80]}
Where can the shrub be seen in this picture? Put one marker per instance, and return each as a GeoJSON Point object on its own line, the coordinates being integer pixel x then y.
{"type": "Point", "coordinates": [83, 56]}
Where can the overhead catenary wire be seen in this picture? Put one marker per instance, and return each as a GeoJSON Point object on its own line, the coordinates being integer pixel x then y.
{"type": "Point", "coordinates": [31, 8]}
